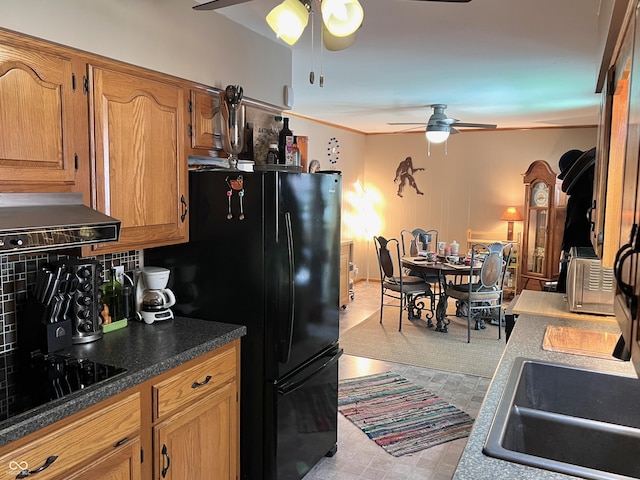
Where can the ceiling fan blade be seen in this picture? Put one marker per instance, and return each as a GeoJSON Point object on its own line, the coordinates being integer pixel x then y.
{"type": "Point", "coordinates": [218, 4]}
{"type": "Point", "coordinates": [474, 125]}
{"type": "Point", "coordinates": [406, 123]}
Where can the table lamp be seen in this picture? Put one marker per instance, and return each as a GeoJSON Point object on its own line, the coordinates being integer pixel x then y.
{"type": "Point", "coordinates": [510, 215]}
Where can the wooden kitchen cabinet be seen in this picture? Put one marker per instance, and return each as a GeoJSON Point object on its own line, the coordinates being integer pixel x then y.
{"type": "Point", "coordinates": [72, 121]}
{"type": "Point", "coordinates": [123, 463]}
{"type": "Point", "coordinates": [203, 130]}
{"type": "Point", "coordinates": [196, 435]}
{"type": "Point", "coordinates": [41, 105]}
{"type": "Point", "coordinates": [140, 164]}
{"type": "Point", "coordinates": [184, 422]}
{"type": "Point", "coordinates": [199, 441]}
{"type": "Point", "coordinates": [105, 437]}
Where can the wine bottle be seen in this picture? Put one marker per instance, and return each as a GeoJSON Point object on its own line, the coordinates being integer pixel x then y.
{"type": "Point", "coordinates": [296, 152]}
{"type": "Point", "coordinates": [285, 142]}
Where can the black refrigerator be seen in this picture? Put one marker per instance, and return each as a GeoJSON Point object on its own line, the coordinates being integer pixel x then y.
{"type": "Point", "coordinates": [264, 252]}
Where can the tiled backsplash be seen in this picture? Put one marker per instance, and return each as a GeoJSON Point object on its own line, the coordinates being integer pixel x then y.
{"type": "Point", "coordinates": [18, 276]}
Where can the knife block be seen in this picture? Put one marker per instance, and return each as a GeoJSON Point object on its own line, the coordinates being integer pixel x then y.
{"type": "Point", "coordinates": [35, 333]}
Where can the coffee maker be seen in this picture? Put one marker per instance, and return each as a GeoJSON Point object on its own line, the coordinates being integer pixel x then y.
{"type": "Point", "coordinates": [152, 298]}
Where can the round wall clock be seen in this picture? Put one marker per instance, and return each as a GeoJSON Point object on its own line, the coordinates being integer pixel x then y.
{"type": "Point", "coordinates": [333, 150]}
{"type": "Point", "coordinates": [314, 166]}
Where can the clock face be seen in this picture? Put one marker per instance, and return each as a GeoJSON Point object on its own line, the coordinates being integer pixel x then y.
{"type": "Point", "coordinates": [540, 195]}
{"type": "Point", "coordinates": [314, 166]}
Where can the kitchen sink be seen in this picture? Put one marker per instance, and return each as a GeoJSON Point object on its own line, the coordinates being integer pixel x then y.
{"type": "Point", "coordinates": [570, 420]}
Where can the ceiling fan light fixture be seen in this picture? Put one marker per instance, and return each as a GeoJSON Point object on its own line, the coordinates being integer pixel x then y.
{"type": "Point", "coordinates": [342, 17]}
{"type": "Point", "coordinates": [438, 133]}
{"type": "Point", "coordinates": [288, 20]}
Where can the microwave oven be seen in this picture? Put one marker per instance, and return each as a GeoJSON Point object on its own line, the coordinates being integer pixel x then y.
{"type": "Point", "coordinates": [590, 287]}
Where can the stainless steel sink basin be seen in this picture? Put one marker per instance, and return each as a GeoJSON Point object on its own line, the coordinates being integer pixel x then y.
{"type": "Point", "coordinates": [569, 420]}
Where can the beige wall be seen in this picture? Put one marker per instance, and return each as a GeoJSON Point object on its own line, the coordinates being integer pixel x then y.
{"type": "Point", "coordinates": [467, 188]}
{"type": "Point", "coordinates": [164, 35]}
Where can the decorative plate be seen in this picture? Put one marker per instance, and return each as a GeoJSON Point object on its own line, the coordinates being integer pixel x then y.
{"type": "Point", "coordinates": [314, 166]}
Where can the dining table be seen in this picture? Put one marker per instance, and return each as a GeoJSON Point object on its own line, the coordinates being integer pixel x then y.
{"type": "Point", "coordinates": [444, 271]}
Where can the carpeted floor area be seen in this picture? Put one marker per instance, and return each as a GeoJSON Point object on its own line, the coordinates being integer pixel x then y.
{"type": "Point", "coordinates": [421, 346]}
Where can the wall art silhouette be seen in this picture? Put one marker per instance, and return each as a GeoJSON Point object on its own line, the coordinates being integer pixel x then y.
{"type": "Point", "coordinates": [404, 174]}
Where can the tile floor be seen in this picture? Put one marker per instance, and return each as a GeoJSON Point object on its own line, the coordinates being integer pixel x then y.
{"type": "Point", "coordinates": [358, 457]}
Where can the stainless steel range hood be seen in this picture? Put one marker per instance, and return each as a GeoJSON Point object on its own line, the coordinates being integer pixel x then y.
{"type": "Point", "coordinates": [31, 222]}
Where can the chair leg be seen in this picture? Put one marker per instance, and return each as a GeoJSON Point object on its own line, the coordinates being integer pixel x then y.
{"type": "Point", "coordinates": [468, 323]}
{"type": "Point", "coordinates": [403, 302]}
{"type": "Point", "coordinates": [381, 302]}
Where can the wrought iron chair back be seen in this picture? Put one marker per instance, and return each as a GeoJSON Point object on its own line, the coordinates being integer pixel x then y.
{"type": "Point", "coordinates": [483, 294]}
{"type": "Point", "coordinates": [406, 290]}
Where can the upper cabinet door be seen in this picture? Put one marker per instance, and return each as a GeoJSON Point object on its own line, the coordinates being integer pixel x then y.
{"type": "Point", "coordinates": [37, 114]}
{"type": "Point", "coordinates": [138, 130]}
{"type": "Point", "coordinates": [205, 134]}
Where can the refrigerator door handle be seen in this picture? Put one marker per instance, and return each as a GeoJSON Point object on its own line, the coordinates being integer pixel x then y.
{"type": "Point", "coordinates": [290, 387]}
{"type": "Point", "coordinates": [285, 343]}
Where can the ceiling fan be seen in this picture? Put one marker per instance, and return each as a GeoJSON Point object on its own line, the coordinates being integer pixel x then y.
{"type": "Point", "coordinates": [228, 3]}
{"type": "Point", "coordinates": [440, 126]}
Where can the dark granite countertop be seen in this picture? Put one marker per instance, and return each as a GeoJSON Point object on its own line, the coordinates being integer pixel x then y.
{"type": "Point", "coordinates": [143, 350]}
{"type": "Point", "coordinates": [526, 341]}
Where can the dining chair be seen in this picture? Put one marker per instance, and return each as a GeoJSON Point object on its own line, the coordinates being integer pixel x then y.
{"type": "Point", "coordinates": [483, 295]}
{"type": "Point", "coordinates": [409, 241]}
{"type": "Point", "coordinates": [408, 290]}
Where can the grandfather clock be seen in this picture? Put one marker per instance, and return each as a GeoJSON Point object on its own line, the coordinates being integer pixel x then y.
{"type": "Point", "coordinates": [544, 217]}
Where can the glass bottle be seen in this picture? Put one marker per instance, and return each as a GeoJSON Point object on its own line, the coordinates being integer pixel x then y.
{"type": "Point", "coordinates": [285, 142]}
{"type": "Point", "coordinates": [295, 152]}
{"type": "Point", "coordinates": [272, 154]}
{"type": "Point", "coordinates": [112, 297]}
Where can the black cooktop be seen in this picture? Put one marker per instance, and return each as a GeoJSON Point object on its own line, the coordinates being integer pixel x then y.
{"type": "Point", "coordinates": [27, 383]}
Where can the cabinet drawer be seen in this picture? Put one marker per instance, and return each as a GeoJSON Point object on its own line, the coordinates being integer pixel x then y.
{"type": "Point", "coordinates": [77, 442]}
{"type": "Point", "coordinates": [194, 383]}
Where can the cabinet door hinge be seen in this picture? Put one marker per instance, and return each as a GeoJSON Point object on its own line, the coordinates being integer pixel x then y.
{"type": "Point", "coordinates": [190, 130]}
{"type": "Point", "coordinates": [73, 82]}
{"type": "Point", "coordinates": [75, 161]}
{"type": "Point", "coordinates": [190, 106]}
{"type": "Point", "coordinates": [237, 397]}
{"type": "Point", "coordinates": [85, 83]}
{"type": "Point", "coordinates": [141, 455]}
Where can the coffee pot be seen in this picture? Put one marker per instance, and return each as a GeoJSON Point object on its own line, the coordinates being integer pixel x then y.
{"type": "Point", "coordinates": [153, 299]}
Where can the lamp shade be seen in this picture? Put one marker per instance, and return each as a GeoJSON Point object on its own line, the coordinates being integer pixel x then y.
{"type": "Point", "coordinates": [342, 17]}
{"type": "Point", "coordinates": [437, 133]}
{"type": "Point", "coordinates": [511, 214]}
{"type": "Point", "coordinates": [333, 43]}
{"type": "Point", "coordinates": [288, 20]}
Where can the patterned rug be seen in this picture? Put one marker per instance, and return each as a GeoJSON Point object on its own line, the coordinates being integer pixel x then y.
{"type": "Point", "coordinates": [399, 416]}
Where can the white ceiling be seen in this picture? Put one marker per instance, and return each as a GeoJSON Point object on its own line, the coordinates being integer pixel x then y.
{"type": "Point", "coordinates": [517, 63]}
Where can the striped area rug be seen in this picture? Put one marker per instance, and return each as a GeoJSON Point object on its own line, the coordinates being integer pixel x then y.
{"type": "Point", "coordinates": [399, 416]}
